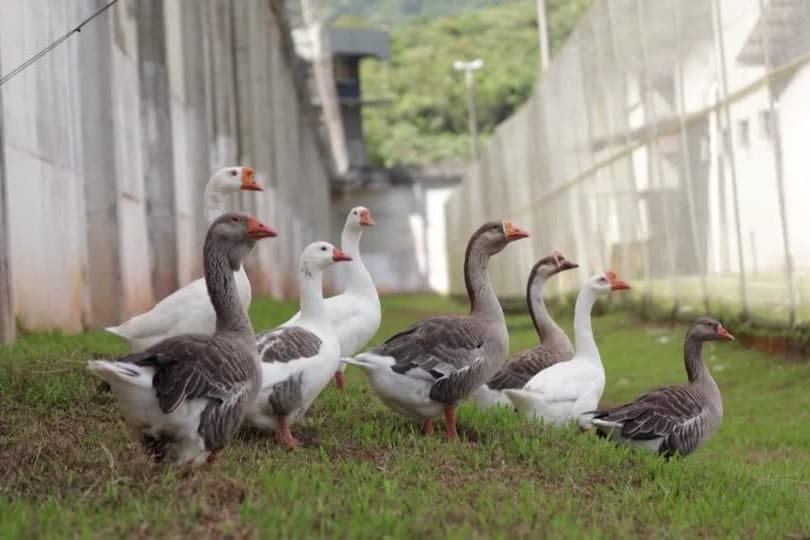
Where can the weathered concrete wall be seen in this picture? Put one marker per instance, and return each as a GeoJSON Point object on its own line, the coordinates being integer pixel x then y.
{"type": "Point", "coordinates": [109, 140]}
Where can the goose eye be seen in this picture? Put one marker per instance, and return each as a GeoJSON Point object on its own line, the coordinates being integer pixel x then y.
{"type": "Point", "coordinates": [323, 248]}
{"type": "Point", "coordinates": [235, 219]}
{"type": "Point", "coordinates": [233, 173]}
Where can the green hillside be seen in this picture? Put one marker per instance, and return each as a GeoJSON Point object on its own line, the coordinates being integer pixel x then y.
{"type": "Point", "coordinates": [427, 120]}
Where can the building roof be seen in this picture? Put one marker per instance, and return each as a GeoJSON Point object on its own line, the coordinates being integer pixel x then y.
{"type": "Point", "coordinates": [359, 42]}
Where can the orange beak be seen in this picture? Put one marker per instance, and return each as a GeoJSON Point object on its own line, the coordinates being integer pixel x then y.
{"type": "Point", "coordinates": [365, 219]}
{"type": "Point", "coordinates": [339, 256]}
{"type": "Point", "coordinates": [258, 230]}
{"type": "Point", "coordinates": [724, 334]}
{"type": "Point", "coordinates": [513, 233]}
{"type": "Point", "coordinates": [249, 180]}
{"type": "Point", "coordinates": [615, 283]}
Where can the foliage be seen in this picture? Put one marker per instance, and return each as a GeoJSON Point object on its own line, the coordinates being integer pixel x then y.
{"type": "Point", "coordinates": [68, 468]}
{"type": "Point", "coordinates": [427, 119]}
{"type": "Point", "coordinates": [393, 13]}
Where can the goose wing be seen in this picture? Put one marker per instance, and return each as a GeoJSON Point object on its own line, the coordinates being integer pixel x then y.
{"type": "Point", "coordinates": [517, 372]}
{"type": "Point", "coordinates": [287, 343]}
{"type": "Point", "coordinates": [436, 347]}
{"type": "Point", "coordinates": [675, 414]}
{"type": "Point", "coordinates": [202, 367]}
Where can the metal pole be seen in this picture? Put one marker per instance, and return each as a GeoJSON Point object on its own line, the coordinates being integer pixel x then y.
{"type": "Point", "coordinates": [655, 153]}
{"type": "Point", "coordinates": [468, 68]}
{"type": "Point", "coordinates": [7, 322]}
{"type": "Point", "coordinates": [686, 162]}
{"type": "Point", "coordinates": [542, 35]}
{"type": "Point", "coordinates": [717, 19]}
{"type": "Point", "coordinates": [645, 248]}
{"type": "Point", "coordinates": [780, 173]}
{"type": "Point", "coordinates": [471, 118]}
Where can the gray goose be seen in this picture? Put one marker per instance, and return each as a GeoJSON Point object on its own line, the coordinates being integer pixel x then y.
{"type": "Point", "coordinates": [185, 396]}
{"type": "Point", "coordinates": [428, 368]}
{"type": "Point", "coordinates": [673, 419]}
{"type": "Point", "coordinates": [554, 347]}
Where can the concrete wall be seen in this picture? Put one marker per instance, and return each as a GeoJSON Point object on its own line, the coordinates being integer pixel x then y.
{"type": "Point", "coordinates": [109, 140]}
{"type": "Point", "coordinates": [405, 251]}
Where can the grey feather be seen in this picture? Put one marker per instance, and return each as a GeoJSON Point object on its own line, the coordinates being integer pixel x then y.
{"type": "Point", "coordinates": [202, 367]}
{"type": "Point", "coordinates": [456, 386]}
{"type": "Point", "coordinates": [285, 397]}
{"type": "Point", "coordinates": [287, 343]}
{"type": "Point", "coordinates": [517, 372]}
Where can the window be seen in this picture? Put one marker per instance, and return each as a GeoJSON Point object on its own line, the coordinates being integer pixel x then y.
{"type": "Point", "coordinates": [744, 133]}
{"type": "Point", "coordinates": [766, 124]}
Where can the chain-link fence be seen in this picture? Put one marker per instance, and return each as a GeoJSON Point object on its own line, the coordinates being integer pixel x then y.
{"type": "Point", "coordinates": [668, 141]}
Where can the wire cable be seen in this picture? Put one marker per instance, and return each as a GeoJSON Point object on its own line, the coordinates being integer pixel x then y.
{"type": "Point", "coordinates": [55, 44]}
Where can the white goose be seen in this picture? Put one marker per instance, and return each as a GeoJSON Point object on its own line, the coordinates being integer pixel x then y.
{"type": "Point", "coordinates": [355, 314]}
{"type": "Point", "coordinates": [298, 360]}
{"type": "Point", "coordinates": [562, 392]}
{"type": "Point", "coordinates": [188, 310]}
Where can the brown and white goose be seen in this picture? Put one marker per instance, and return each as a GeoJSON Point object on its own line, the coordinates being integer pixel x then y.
{"type": "Point", "coordinates": [554, 347]}
{"type": "Point", "coordinates": [185, 396]}
{"type": "Point", "coordinates": [672, 419]}
{"type": "Point", "coordinates": [427, 369]}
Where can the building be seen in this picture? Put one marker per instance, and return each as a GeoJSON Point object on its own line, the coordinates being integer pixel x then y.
{"type": "Point", "coordinates": [349, 46]}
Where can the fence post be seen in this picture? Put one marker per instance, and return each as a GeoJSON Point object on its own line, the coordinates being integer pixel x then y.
{"type": "Point", "coordinates": [780, 172]}
{"type": "Point", "coordinates": [7, 322]}
{"type": "Point", "coordinates": [686, 163]}
{"type": "Point", "coordinates": [728, 147]}
{"type": "Point", "coordinates": [158, 154]}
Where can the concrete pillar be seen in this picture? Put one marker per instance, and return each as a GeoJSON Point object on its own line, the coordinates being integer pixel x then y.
{"type": "Point", "coordinates": [156, 137]}
{"type": "Point", "coordinates": [98, 156]}
{"type": "Point", "coordinates": [221, 80]}
{"type": "Point", "coordinates": [7, 323]}
{"type": "Point", "coordinates": [197, 129]}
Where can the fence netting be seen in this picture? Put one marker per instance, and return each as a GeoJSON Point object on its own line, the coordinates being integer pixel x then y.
{"type": "Point", "coordinates": [668, 141]}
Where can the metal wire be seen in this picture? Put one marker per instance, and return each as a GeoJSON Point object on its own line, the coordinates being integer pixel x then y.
{"type": "Point", "coordinates": [78, 28]}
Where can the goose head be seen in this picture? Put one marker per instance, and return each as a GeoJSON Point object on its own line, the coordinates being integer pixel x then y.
{"type": "Point", "coordinates": [359, 217]}
{"type": "Point", "coordinates": [318, 256]}
{"type": "Point", "coordinates": [235, 234]}
{"type": "Point", "coordinates": [708, 329]}
{"type": "Point", "coordinates": [602, 284]}
{"type": "Point", "coordinates": [552, 264]}
{"type": "Point", "coordinates": [234, 179]}
{"type": "Point", "coordinates": [493, 236]}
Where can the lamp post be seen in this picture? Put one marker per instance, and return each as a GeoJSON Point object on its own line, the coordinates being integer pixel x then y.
{"type": "Point", "coordinates": [468, 68]}
{"type": "Point", "coordinates": [542, 35]}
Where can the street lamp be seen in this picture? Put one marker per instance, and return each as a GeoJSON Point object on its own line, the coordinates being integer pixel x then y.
{"type": "Point", "coordinates": [468, 68]}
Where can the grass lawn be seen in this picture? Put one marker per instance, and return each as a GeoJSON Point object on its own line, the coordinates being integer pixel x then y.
{"type": "Point", "coordinates": [69, 469]}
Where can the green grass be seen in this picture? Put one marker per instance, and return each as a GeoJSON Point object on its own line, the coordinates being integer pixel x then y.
{"type": "Point", "coordinates": [69, 469]}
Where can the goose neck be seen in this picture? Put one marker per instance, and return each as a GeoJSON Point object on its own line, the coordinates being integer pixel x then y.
{"type": "Point", "coordinates": [583, 332]}
{"type": "Point", "coordinates": [696, 370]}
{"type": "Point", "coordinates": [213, 204]}
{"type": "Point", "coordinates": [310, 292]}
{"type": "Point", "coordinates": [543, 323]}
{"type": "Point", "coordinates": [221, 284]}
{"type": "Point", "coordinates": [483, 300]}
{"type": "Point", "coordinates": [358, 277]}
